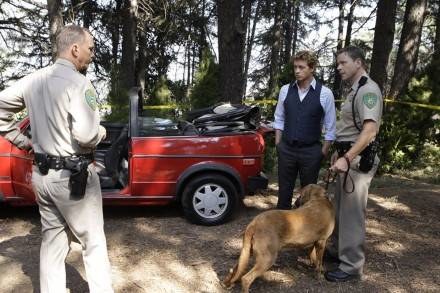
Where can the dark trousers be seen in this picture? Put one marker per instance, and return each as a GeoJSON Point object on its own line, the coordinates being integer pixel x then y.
{"type": "Point", "coordinates": [294, 159]}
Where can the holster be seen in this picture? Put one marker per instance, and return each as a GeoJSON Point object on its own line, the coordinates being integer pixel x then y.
{"type": "Point", "coordinates": [78, 177]}
{"type": "Point", "coordinates": [42, 162]}
{"type": "Point", "coordinates": [367, 156]}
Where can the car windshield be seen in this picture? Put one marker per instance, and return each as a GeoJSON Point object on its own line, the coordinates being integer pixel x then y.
{"type": "Point", "coordinates": [152, 126]}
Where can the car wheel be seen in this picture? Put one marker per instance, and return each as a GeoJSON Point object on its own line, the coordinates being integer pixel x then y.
{"type": "Point", "coordinates": [209, 199]}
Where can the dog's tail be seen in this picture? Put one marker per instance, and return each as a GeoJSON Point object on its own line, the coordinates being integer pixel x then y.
{"type": "Point", "coordinates": [243, 260]}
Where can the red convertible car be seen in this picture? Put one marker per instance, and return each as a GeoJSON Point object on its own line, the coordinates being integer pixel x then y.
{"type": "Point", "coordinates": [207, 163]}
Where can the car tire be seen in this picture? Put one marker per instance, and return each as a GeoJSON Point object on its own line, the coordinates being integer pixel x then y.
{"type": "Point", "coordinates": [209, 199]}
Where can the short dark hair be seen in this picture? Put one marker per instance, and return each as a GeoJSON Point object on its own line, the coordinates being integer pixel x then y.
{"type": "Point", "coordinates": [70, 35]}
{"type": "Point", "coordinates": [354, 53]}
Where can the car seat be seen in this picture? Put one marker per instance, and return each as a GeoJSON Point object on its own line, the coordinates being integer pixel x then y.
{"type": "Point", "coordinates": [109, 163]}
{"type": "Point", "coordinates": [225, 118]}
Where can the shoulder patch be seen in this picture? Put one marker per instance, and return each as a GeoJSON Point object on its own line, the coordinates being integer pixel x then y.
{"type": "Point", "coordinates": [370, 100]}
{"type": "Point", "coordinates": [90, 97]}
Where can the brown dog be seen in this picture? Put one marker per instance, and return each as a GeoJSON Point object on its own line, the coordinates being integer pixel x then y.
{"type": "Point", "coordinates": [309, 225]}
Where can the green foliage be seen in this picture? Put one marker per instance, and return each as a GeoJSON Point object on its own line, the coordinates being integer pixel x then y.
{"type": "Point", "coordinates": [119, 112]}
{"type": "Point", "coordinates": [178, 90]}
{"type": "Point", "coordinates": [286, 75]}
{"type": "Point", "coordinates": [270, 154]}
{"type": "Point", "coordinates": [205, 91]}
{"type": "Point", "coordinates": [117, 100]}
{"type": "Point", "coordinates": [161, 94]}
{"type": "Point", "coordinates": [428, 166]}
{"type": "Point", "coordinates": [407, 131]}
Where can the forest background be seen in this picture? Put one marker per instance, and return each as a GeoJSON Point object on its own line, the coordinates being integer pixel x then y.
{"type": "Point", "coordinates": [187, 54]}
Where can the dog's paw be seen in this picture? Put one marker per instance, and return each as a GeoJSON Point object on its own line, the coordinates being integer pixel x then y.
{"type": "Point", "coordinates": [318, 276]}
{"type": "Point", "coordinates": [226, 285]}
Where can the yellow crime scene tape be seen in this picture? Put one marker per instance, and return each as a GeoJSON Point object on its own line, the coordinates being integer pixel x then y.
{"type": "Point", "coordinates": [431, 107]}
{"type": "Point", "coordinates": [147, 107]}
{"type": "Point", "coordinates": [427, 106]}
{"type": "Point", "coordinates": [160, 107]}
{"type": "Point", "coordinates": [273, 102]}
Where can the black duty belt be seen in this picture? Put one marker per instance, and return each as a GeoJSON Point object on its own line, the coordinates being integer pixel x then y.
{"type": "Point", "coordinates": [58, 163]}
{"type": "Point", "coordinates": [77, 164]}
{"type": "Point", "coordinates": [300, 144]}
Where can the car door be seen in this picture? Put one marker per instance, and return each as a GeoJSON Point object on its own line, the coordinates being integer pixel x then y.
{"type": "Point", "coordinates": [21, 168]}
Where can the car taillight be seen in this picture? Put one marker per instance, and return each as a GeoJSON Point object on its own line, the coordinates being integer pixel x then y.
{"type": "Point", "coordinates": [248, 162]}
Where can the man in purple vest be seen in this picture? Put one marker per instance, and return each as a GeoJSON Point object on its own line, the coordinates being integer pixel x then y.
{"type": "Point", "coordinates": [304, 107]}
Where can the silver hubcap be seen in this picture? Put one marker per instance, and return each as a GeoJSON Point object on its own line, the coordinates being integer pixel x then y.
{"type": "Point", "coordinates": [210, 201]}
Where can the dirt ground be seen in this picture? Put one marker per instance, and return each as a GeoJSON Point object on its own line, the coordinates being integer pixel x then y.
{"type": "Point", "coordinates": [154, 249]}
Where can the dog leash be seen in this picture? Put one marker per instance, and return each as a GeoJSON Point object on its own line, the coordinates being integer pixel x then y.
{"type": "Point", "coordinates": [330, 177]}
{"type": "Point", "coordinates": [346, 175]}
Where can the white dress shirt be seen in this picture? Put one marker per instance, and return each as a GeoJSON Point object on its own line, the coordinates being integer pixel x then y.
{"type": "Point", "coordinates": [327, 101]}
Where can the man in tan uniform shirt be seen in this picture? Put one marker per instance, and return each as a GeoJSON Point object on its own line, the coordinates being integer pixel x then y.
{"type": "Point", "coordinates": [64, 120]}
{"type": "Point", "coordinates": [349, 236]}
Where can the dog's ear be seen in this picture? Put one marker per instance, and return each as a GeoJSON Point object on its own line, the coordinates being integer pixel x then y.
{"type": "Point", "coordinates": [318, 191]}
{"type": "Point", "coordinates": [311, 191]}
{"type": "Point", "coordinates": [305, 193]}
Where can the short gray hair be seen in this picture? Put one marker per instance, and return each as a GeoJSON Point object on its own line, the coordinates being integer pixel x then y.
{"type": "Point", "coordinates": [70, 35]}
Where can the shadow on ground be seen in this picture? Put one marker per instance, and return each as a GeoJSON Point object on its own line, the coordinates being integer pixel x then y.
{"type": "Point", "coordinates": [154, 249]}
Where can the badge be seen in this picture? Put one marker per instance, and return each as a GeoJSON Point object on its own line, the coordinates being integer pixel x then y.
{"type": "Point", "coordinates": [370, 100]}
{"type": "Point", "coordinates": [91, 99]}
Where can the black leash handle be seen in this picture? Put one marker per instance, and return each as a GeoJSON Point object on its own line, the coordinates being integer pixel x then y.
{"type": "Point", "coordinates": [330, 179]}
{"type": "Point", "coordinates": [346, 174]}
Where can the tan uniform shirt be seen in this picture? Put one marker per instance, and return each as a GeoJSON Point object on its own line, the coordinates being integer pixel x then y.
{"type": "Point", "coordinates": [62, 108]}
{"type": "Point", "coordinates": [368, 106]}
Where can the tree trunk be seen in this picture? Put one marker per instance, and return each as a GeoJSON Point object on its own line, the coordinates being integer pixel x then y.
{"type": "Point", "coordinates": [406, 60]}
{"type": "Point", "coordinates": [296, 22]}
{"type": "Point", "coordinates": [433, 71]}
{"type": "Point", "coordinates": [142, 61]}
{"type": "Point", "coordinates": [350, 22]}
{"type": "Point", "coordinates": [436, 55]}
{"type": "Point", "coordinates": [250, 41]}
{"type": "Point", "coordinates": [275, 52]}
{"type": "Point", "coordinates": [290, 12]}
{"type": "Point", "coordinates": [115, 32]}
{"type": "Point", "coordinates": [231, 49]}
{"type": "Point", "coordinates": [185, 48]}
{"type": "Point", "coordinates": [127, 69]}
{"type": "Point", "coordinates": [247, 8]}
{"type": "Point", "coordinates": [54, 8]}
{"type": "Point", "coordinates": [88, 14]}
{"type": "Point", "coordinates": [341, 24]}
{"type": "Point", "coordinates": [202, 40]}
{"type": "Point", "coordinates": [383, 41]}
{"type": "Point", "coordinates": [337, 84]}
{"type": "Point", "coordinates": [193, 62]}
{"type": "Point", "coordinates": [425, 119]}
{"type": "Point", "coordinates": [188, 50]}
